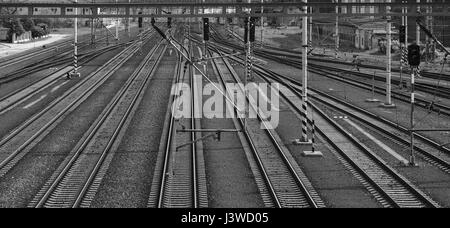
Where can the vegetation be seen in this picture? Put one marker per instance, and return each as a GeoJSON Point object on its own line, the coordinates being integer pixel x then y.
{"type": "Point", "coordinates": [38, 27]}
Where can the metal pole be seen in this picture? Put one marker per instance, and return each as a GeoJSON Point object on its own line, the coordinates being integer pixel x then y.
{"type": "Point", "coordinates": [127, 23]}
{"type": "Point", "coordinates": [305, 75]}
{"type": "Point", "coordinates": [75, 45]}
{"type": "Point", "coordinates": [402, 46]}
{"type": "Point", "coordinates": [418, 27]}
{"type": "Point", "coordinates": [262, 26]}
{"type": "Point", "coordinates": [427, 40]}
{"type": "Point", "coordinates": [310, 29]}
{"type": "Point", "coordinates": [92, 28]}
{"type": "Point", "coordinates": [336, 32]}
{"type": "Point", "coordinates": [412, 158]}
{"type": "Point", "coordinates": [117, 23]}
{"type": "Point", "coordinates": [406, 25]}
{"type": "Point", "coordinates": [248, 70]}
{"type": "Point", "coordinates": [389, 56]}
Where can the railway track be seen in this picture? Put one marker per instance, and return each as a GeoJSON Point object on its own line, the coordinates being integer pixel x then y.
{"type": "Point", "coordinates": [180, 179]}
{"type": "Point", "coordinates": [55, 61]}
{"type": "Point", "coordinates": [77, 180]}
{"type": "Point", "coordinates": [431, 151]}
{"type": "Point", "coordinates": [17, 96]}
{"type": "Point", "coordinates": [287, 185]}
{"type": "Point", "coordinates": [395, 189]}
{"type": "Point", "coordinates": [296, 55]}
{"type": "Point", "coordinates": [61, 49]}
{"type": "Point", "coordinates": [293, 60]}
{"type": "Point", "coordinates": [388, 186]}
{"type": "Point", "coordinates": [18, 142]}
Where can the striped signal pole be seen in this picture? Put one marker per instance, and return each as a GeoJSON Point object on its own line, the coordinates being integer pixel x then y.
{"type": "Point", "coordinates": [75, 72]}
{"type": "Point", "coordinates": [412, 160]}
{"type": "Point", "coordinates": [304, 137]}
{"type": "Point", "coordinates": [403, 62]}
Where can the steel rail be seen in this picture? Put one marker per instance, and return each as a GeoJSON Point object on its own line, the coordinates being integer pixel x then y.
{"type": "Point", "coordinates": [95, 129]}
{"type": "Point", "coordinates": [311, 201]}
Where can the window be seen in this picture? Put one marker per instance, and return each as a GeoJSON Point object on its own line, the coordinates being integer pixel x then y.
{"type": "Point", "coordinates": [69, 10]}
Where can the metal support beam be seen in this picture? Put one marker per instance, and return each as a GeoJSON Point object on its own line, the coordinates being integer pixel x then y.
{"type": "Point", "coordinates": [272, 9]}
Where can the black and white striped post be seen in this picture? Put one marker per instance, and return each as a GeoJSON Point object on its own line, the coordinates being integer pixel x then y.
{"type": "Point", "coordinates": [304, 115]}
{"type": "Point", "coordinates": [313, 152]}
{"type": "Point", "coordinates": [403, 62]}
{"type": "Point", "coordinates": [75, 72]}
{"type": "Point", "coordinates": [412, 160]}
{"type": "Point", "coordinates": [414, 61]}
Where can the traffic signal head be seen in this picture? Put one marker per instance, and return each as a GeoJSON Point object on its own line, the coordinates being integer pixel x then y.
{"type": "Point", "coordinates": [140, 21]}
{"type": "Point", "coordinates": [205, 29]}
{"type": "Point", "coordinates": [169, 22]}
{"type": "Point", "coordinates": [252, 29]}
{"type": "Point", "coordinates": [402, 34]}
{"type": "Point", "coordinates": [153, 21]}
{"type": "Point", "coordinates": [252, 26]}
{"type": "Point", "coordinates": [414, 55]}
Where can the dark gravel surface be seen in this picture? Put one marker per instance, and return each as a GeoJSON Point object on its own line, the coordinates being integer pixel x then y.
{"type": "Point", "coordinates": [129, 178]}
{"type": "Point", "coordinates": [23, 181]}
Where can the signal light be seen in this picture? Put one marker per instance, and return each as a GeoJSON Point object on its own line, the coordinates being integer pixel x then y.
{"type": "Point", "coordinates": [414, 55]}
{"type": "Point", "coordinates": [205, 29]}
{"type": "Point", "coordinates": [153, 21]}
{"type": "Point", "coordinates": [169, 22]}
{"type": "Point", "coordinates": [140, 21]}
{"type": "Point", "coordinates": [402, 35]}
{"type": "Point", "coordinates": [252, 26]}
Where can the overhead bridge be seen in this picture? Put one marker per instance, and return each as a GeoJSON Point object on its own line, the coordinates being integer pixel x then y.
{"type": "Point", "coordinates": [226, 10]}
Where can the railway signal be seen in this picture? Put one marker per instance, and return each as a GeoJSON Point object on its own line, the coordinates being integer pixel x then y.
{"type": "Point", "coordinates": [169, 22]}
{"type": "Point", "coordinates": [140, 21]}
{"type": "Point", "coordinates": [402, 34]}
{"type": "Point", "coordinates": [414, 62]}
{"type": "Point", "coordinates": [75, 72]}
{"type": "Point", "coordinates": [250, 25]}
{"type": "Point", "coordinates": [414, 55]}
{"type": "Point", "coordinates": [153, 21]}
{"type": "Point", "coordinates": [206, 29]}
